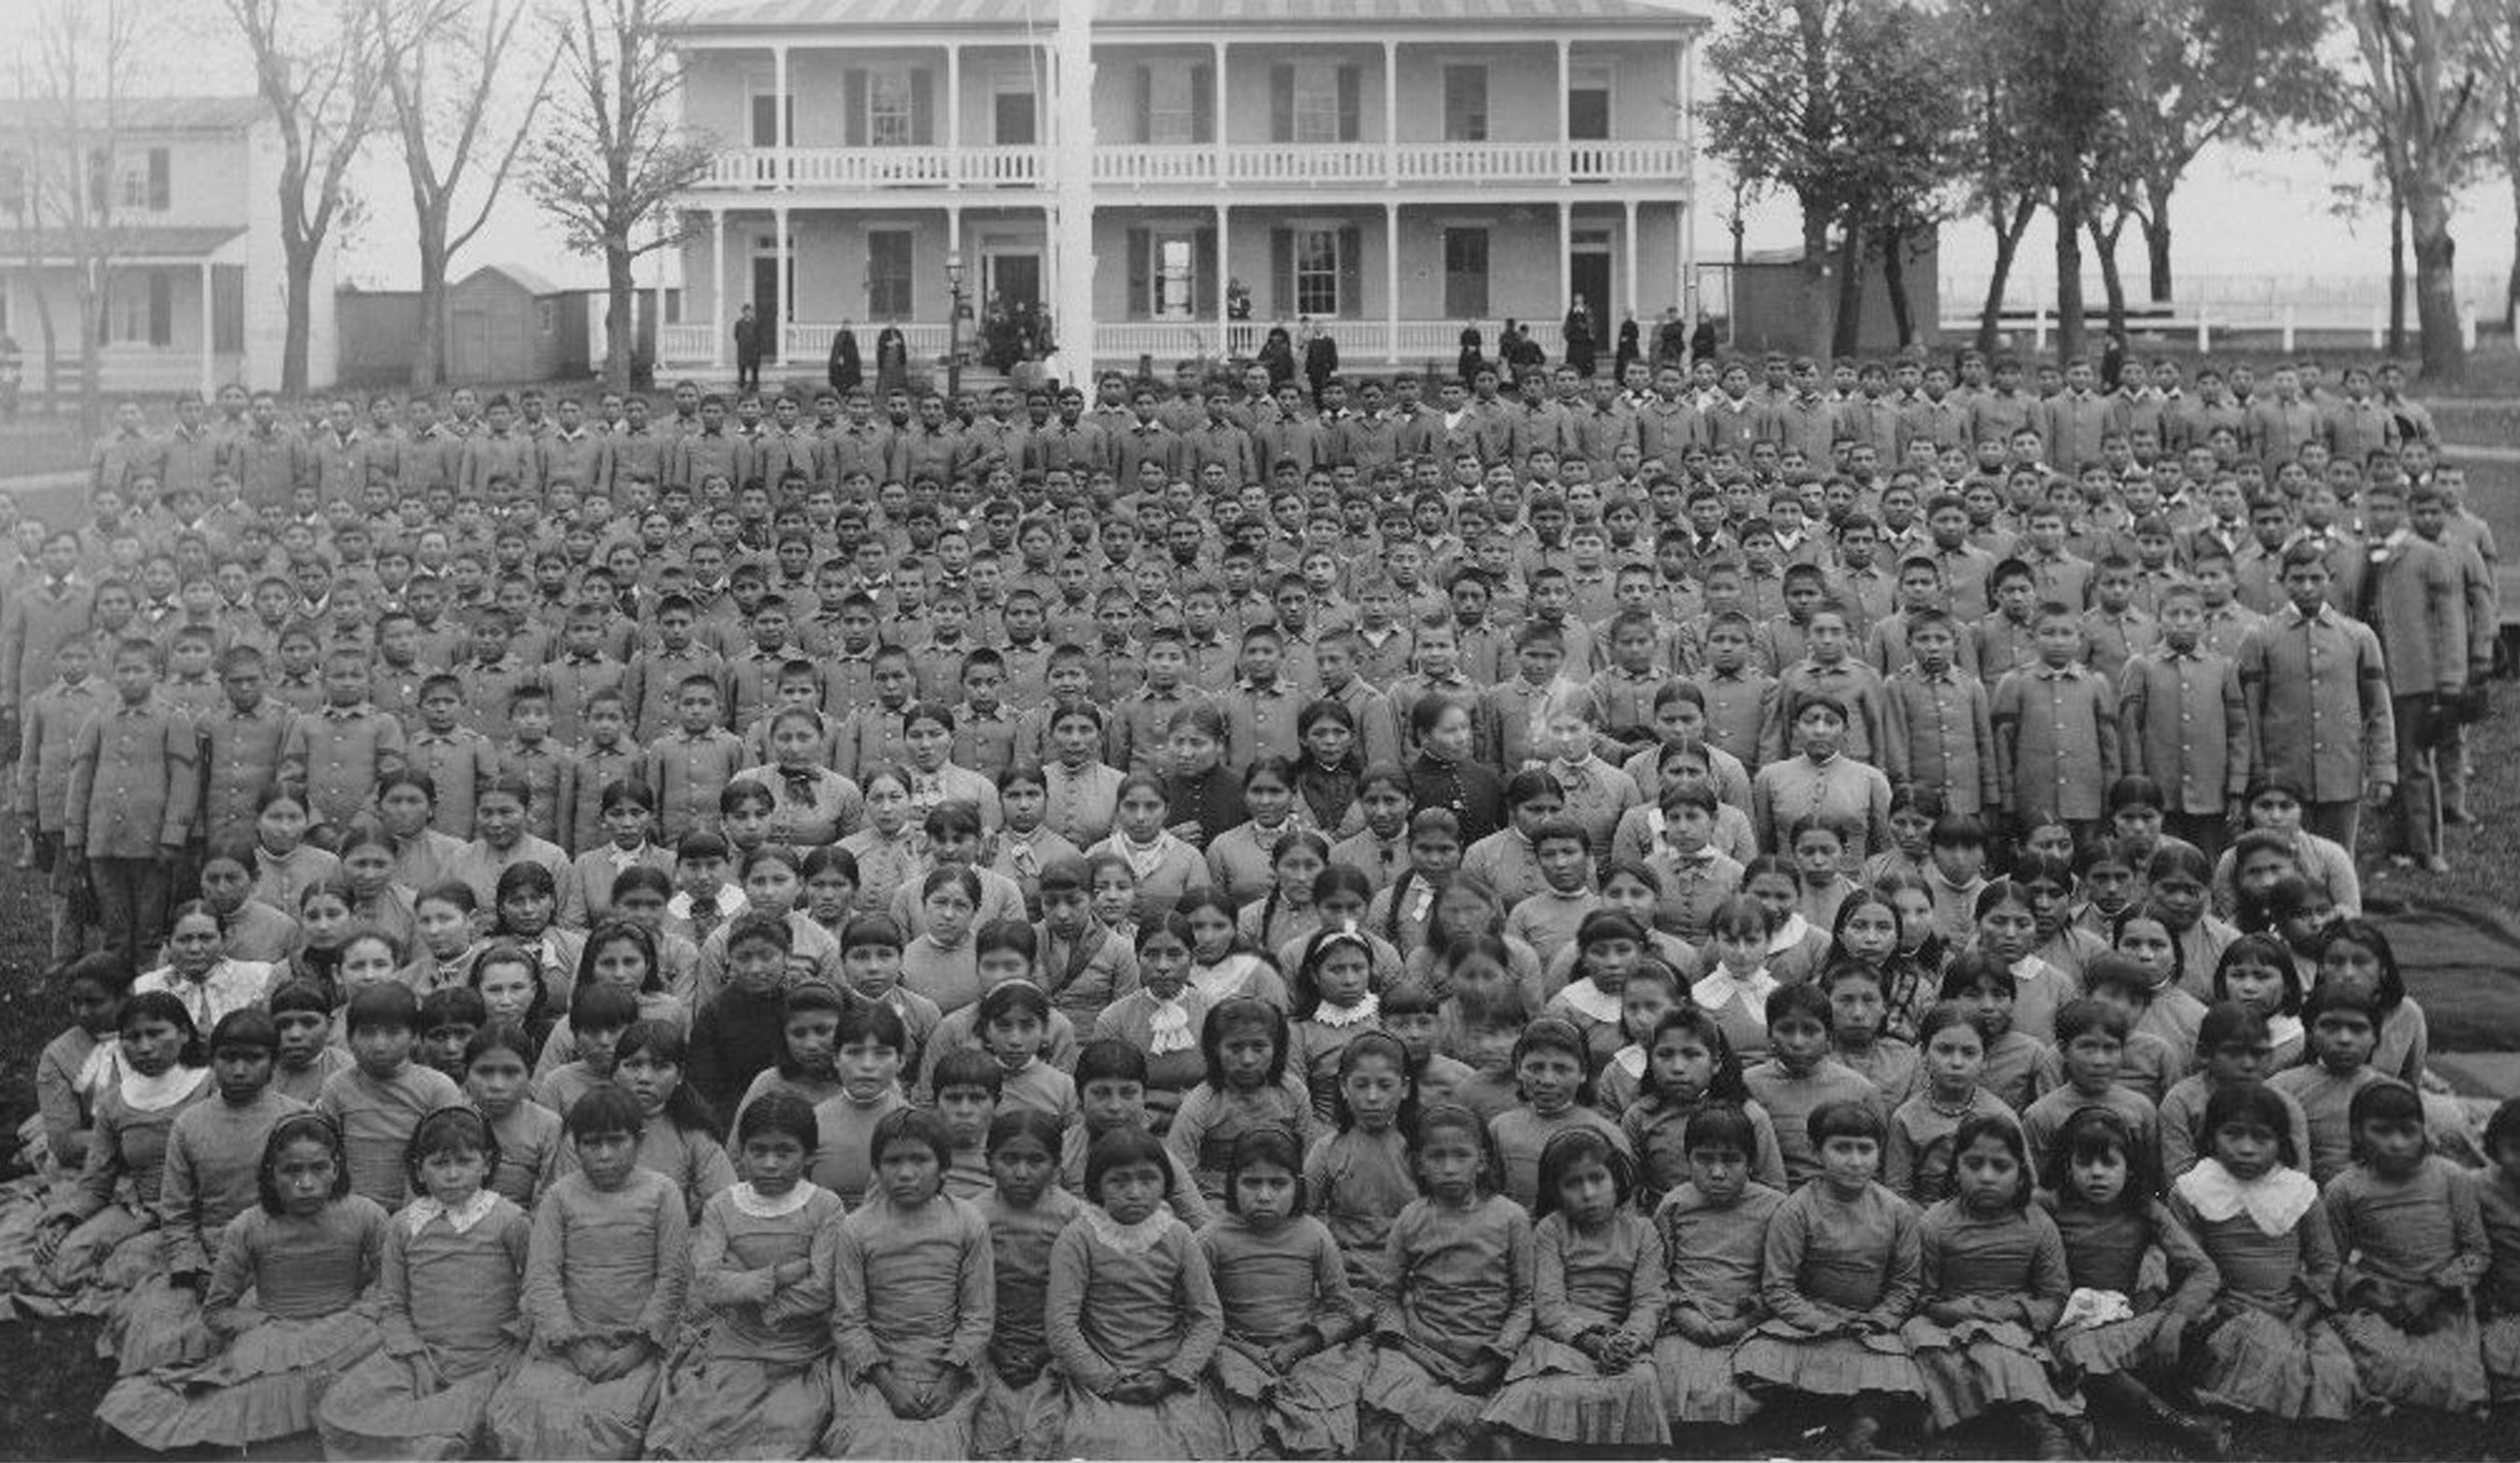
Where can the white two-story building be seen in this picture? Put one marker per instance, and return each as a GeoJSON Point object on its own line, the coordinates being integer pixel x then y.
{"type": "Point", "coordinates": [184, 204]}
{"type": "Point", "coordinates": [1393, 168]}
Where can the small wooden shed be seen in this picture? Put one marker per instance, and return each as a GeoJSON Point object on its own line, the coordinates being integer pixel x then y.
{"type": "Point", "coordinates": [504, 322]}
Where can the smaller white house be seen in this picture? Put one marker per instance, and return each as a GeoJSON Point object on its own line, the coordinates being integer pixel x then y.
{"type": "Point", "coordinates": [197, 298]}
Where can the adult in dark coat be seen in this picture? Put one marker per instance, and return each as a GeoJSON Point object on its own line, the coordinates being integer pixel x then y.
{"type": "Point", "coordinates": [891, 360]}
{"type": "Point", "coordinates": [1278, 355]}
{"type": "Point", "coordinates": [1582, 346]}
{"type": "Point", "coordinates": [847, 371]}
{"type": "Point", "coordinates": [1321, 357]}
{"type": "Point", "coordinates": [1703, 341]}
{"type": "Point", "coordinates": [748, 351]}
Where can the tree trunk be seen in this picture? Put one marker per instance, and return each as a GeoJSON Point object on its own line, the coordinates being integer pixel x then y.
{"type": "Point", "coordinates": [1819, 298]}
{"type": "Point", "coordinates": [1846, 341]}
{"type": "Point", "coordinates": [93, 302]}
{"type": "Point", "coordinates": [52, 347]}
{"type": "Point", "coordinates": [2397, 270]}
{"type": "Point", "coordinates": [429, 346]}
{"type": "Point", "coordinates": [2069, 274]}
{"type": "Point", "coordinates": [618, 301]}
{"type": "Point", "coordinates": [2512, 286]}
{"type": "Point", "coordinates": [1894, 277]}
{"type": "Point", "coordinates": [2444, 353]}
{"type": "Point", "coordinates": [2008, 244]}
{"type": "Point", "coordinates": [2104, 243]}
{"type": "Point", "coordinates": [301, 317]}
{"type": "Point", "coordinates": [2155, 224]}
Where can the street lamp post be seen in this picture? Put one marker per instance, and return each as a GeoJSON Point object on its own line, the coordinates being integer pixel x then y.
{"type": "Point", "coordinates": [954, 276]}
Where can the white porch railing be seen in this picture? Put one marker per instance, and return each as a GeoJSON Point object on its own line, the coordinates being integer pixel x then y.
{"type": "Point", "coordinates": [1204, 165]}
{"type": "Point", "coordinates": [1381, 343]}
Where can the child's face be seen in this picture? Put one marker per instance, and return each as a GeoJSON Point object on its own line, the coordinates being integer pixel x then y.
{"type": "Point", "coordinates": [2147, 943]}
{"type": "Point", "coordinates": [2248, 1148]}
{"type": "Point", "coordinates": [2342, 1039]}
{"type": "Point", "coordinates": [2235, 1062]}
{"type": "Point", "coordinates": [382, 1049]}
{"type": "Point", "coordinates": [1343, 975]}
{"type": "Point", "coordinates": [1986, 1175]}
{"type": "Point", "coordinates": [1022, 1169]}
{"type": "Point", "coordinates": [2092, 1061]}
{"type": "Point", "coordinates": [1989, 1004]}
{"type": "Point", "coordinates": [1565, 863]}
{"type": "Point", "coordinates": [2394, 1147]}
{"type": "Point", "coordinates": [1549, 1078]}
{"type": "Point", "coordinates": [1722, 1174]}
{"type": "Point", "coordinates": [1848, 1162]}
{"type": "Point", "coordinates": [1856, 1011]}
{"type": "Point", "coordinates": [2007, 930]}
{"type": "Point", "coordinates": [1015, 1037]}
{"type": "Point", "coordinates": [607, 1158]}
{"type": "Point", "coordinates": [1798, 1040]}
{"type": "Point", "coordinates": [282, 826]}
{"type": "Point", "coordinates": [755, 967]}
{"type": "Point", "coordinates": [867, 1068]}
{"type": "Point", "coordinates": [1114, 895]}
{"type": "Point", "coordinates": [2254, 983]}
{"type": "Point", "coordinates": [1449, 1160]}
{"type": "Point", "coordinates": [773, 1161]}
{"type": "Point", "coordinates": [1110, 1102]}
{"type": "Point", "coordinates": [873, 970]}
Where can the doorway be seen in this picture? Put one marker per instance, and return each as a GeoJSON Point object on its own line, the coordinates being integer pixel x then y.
{"type": "Point", "coordinates": [1587, 273]}
{"type": "Point", "coordinates": [1012, 280]}
{"type": "Point", "coordinates": [765, 303]}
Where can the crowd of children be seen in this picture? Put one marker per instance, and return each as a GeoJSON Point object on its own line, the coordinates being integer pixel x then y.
{"type": "Point", "coordinates": [1234, 920]}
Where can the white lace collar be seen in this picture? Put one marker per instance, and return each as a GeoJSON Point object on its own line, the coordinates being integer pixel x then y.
{"type": "Point", "coordinates": [2275, 1203]}
{"type": "Point", "coordinates": [1339, 1018]}
{"type": "Point", "coordinates": [747, 1200]}
{"type": "Point", "coordinates": [1789, 934]}
{"type": "Point", "coordinates": [1590, 999]}
{"type": "Point", "coordinates": [1722, 988]}
{"type": "Point", "coordinates": [1168, 1024]}
{"type": "Point", "coordinates": [156, 1094]}
{"type": "Point", "coordinates": [1130, 1239]}
{"type": "Point", "coordinates": [418, 1213]}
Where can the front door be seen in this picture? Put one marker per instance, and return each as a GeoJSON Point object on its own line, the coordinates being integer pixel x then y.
{"type": "Point", "coordinates": [765, 303]}
{"type": "Point", "coordinates": [1587, 274]}
{"type": "Point", "coordinates": [1013, 279]}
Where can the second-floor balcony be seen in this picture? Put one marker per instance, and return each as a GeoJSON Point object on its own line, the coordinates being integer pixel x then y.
{"type": "Point", "coordinates": [1155, 167]}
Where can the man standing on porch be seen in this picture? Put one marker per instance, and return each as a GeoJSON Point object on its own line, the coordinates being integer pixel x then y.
{"type": "Point", "coordinates": [748, 351]}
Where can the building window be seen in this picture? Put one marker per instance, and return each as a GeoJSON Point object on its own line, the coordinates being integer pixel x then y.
{"type": "Point", "coordinates": [1316, 271]}
{"type": "Point", "coordinates": [147, 312]}
{"type": "Point", "coordinates": [147, 182]}
{"type": "Point", "coordinates": [1466, 104]}
{"type": "Point", "coordinates": [1465, 274]}
{"type": "Point", "coordinates": [673, 307]}
{"type": "Point", "coordinates": [1017, 115]}
{"type": "Point", "coordinates": [1317, 104]}
{"type": "Point", "coordinates": [891, 119]}
{"type": "Point", "coordinates": [1172, 119]}
{"type": "Point", "coordinates": [545, 316]}
{"type": "Point", "coordinates": [888, 274]}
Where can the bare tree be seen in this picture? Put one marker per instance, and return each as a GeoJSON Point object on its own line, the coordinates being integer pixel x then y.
{"type": "Point", "coordinates": [317, 68]}
{"type": "Point", "coordinates": [614, 159]}
{"type": "Point", "coordinates": [445, 71]}
{"type": "Point", "coordinates": [2423, 106]}
{"type": "Point", "coordinates": [73, 74]}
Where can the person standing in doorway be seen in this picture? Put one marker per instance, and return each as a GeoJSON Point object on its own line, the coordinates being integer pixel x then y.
{"type": "Point", "coordinates": [748, 351]}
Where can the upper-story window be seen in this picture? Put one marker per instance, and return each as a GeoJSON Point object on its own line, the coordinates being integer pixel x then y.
{"type": "Point", "coordinates": [1315, 102]}
{"type": "Point", "coordinates": [1176, 103]}
{"type": "Point", "coordinates": [890, 108]}
{"type": "Point", "coordinates": [147, 181]}
{"type": "Point", "coordinates": [1466, 104]}
{"type": "Point", "coordinates": [888, 114]}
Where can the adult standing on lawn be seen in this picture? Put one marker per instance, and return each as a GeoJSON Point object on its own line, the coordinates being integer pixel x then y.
{"type": "Point", "coordinates": [2318, 702]}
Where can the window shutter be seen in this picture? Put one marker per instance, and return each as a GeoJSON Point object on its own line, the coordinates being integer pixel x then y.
{"type": "Point", "coordinates": [922, 109]}
{"type": "Point", "coordinates": [854, 86]}
{"type": "Point", "coordinates": [1282, 272]}
{"type": "Point", "coordinates": [161, 184]}
{"type": "Point", "coordinates": [1202, 103]}
{"type": "Point", "coordinates": [1146, 103]}
{"type": "Point", "coordinates": [1281, 103]}
{"type": "Point", "coordinates": [1203, 274]}
{"type": "Point", "coordinates": [1351, 103]}
{"type": "Point", "coordinates": [1351, 272]}
{"type": "Point", "coordinates": [1141, 250]}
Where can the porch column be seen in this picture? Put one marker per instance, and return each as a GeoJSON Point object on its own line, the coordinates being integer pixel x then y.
{"type": "Point", "coordinates": [777, 325]}
{"type": "Point", "coordinates": [717, 288]}
{"type": "Point", "coordinates": [782, 107]}
{"type": "Point", "coordinates": [1566, 257]}
{"type": "Point", "coordinates": [1566, 112]}
{"type": "Point", "coordinates": [1686, 220]}
{"type": "Point", "coordinates": [1391, 112]}
{"type": "Point", "coordinates": [1391, 278]}
{"type": "Point", "coordinates": [1217, 97]}
{"type": "Point", "coordinates": [954, 113]}
{"type": "Point", "coordinates": [1629, 284]}
{"type": "Point", "coordinates": [1224, 278]}
{"type": "Point", "coordinates": [209, 338]}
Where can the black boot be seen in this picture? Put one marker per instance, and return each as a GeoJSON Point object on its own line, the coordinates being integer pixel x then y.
{"type": "Point", "coordinates": [2047, 1437]}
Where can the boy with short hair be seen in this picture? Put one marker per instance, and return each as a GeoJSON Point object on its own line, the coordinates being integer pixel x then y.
{"type": "Point", "coordinates": [2184, 725]}
{"type": "Point", "coordinates": [336, 758]}
{"type": "Point", "coordinates": [688, 766]}
{"type": "Point", "coordinates": [2055, 731]}
{"type": "Point", "coordinates": [1939, 735]}
{"type": "Point", "coordinates": [2318, 703]}
{"type": "Point", "coordinates": [534, 756]}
